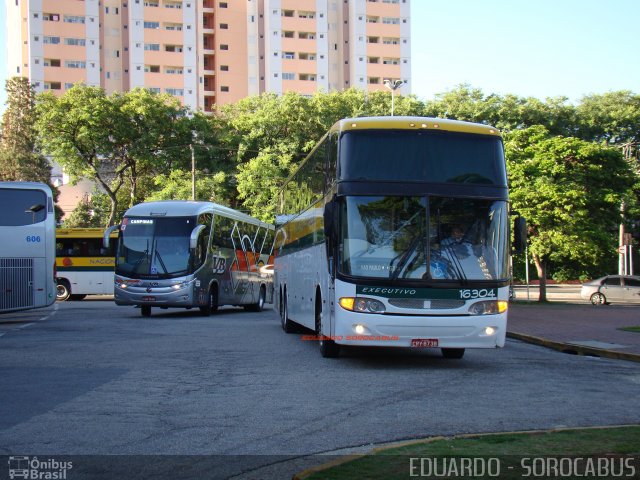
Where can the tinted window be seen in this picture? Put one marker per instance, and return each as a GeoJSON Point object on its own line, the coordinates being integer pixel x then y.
{"type": "Point", "coordinates": [409, 156]}
{"type": "Point", "coordinates": [22, 207]}
{"type": "Point", "coordinates": [222, 232]}
{"type": "Point", "coordinates": [611, 281]}
{"type": "Point", "coordinates": [83, 247]}
{"type": "Point", "coordinates": [632, 282]}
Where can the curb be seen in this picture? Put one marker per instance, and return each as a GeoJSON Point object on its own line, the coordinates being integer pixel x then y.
{"type": "Point", "coordinates": [347, 458]}
{"type": "Point", "coordinates": [575, 349]}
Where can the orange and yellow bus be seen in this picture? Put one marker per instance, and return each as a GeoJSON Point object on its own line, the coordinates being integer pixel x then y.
{"type": "Point", "coordinates": [84, 266]}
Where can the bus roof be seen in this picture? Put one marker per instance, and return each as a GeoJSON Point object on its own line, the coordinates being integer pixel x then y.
{"type": "Point", "coordinates": [179, 208]}
{"type": "Point", "coordinates": [26, 186]}
{"type": "Point", "coordinates": [413, 123]}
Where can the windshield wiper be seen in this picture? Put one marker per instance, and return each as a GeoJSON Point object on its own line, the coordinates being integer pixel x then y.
{"type": "Point", "coordinates": [159, 258]}
{"type": "Point", "coordinates": [404, 258]}
{"type": "Point", "coordinates": [455, 261]}
{"type": "Point", "coordinates": [144, 257]}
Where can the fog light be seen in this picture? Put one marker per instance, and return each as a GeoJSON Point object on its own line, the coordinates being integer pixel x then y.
{"type": "Point", "coordinates": [359, 329]}
{"type": "Point", "coordinates": [489, 331]}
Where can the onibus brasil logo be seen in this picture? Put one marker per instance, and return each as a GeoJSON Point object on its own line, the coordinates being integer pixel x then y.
{"type": "Point", "coordinates": [35, 469]}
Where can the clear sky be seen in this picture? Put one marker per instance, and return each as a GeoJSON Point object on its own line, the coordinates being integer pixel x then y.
{"type": "Point", "coordinates": [537, 48]}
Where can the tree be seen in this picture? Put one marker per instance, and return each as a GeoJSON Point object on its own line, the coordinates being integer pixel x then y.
{"type": "Point", "coordinates": [272, 134]}
{"type": "Point", "coordinates": [176, 185]}
{"type": "Point", "coordinates": [569, 191]}
{"type": "Point", "coordinates": [20, 159]}
{"type": "Point", "coordinates": [115, 140]}
{"type": "Point", "coordinates": [82, 217]}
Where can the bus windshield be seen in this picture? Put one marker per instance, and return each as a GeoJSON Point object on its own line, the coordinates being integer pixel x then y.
{"type": "Point", "coordinates": [157, 247]}
{"type": "Point", "coordinates": [426, 156]}
{"type": "Point", "coordinates": [395, 238]}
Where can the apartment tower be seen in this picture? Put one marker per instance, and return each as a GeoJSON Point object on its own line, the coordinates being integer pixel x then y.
{"type": "Point", "coordinates": [210, 52]}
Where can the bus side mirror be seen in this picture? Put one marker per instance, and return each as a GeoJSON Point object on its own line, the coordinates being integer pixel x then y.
{"type": "Point", "coordinates": [107, 234]}
{"type": "Point", "coordinates": [519, 234]}
{"type": "Point", "coordinates": [193, 239]}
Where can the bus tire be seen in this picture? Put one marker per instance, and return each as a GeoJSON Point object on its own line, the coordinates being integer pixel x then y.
{"type": "Point", "coordinates": [257, 307]}
{"type": "Point", "coordinates": [287, 325]}
{"type": "Point", "coordinates": [212, 303]}
{"type": "Point", "coordinates": [328, 348]}
{"type": "Point", "coordinates": [145, 310]}
{"type": "Point", "coordinates": [455, 353]}
{"type": "Point", "coordinates": [63, 290]}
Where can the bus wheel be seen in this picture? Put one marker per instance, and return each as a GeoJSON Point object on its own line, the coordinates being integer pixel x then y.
{"type": "Point", "coordinates": [287, 325]}
{"type": "Point", "coordinates": [328, 348]}
{"type": "Point", "coordinates": [63, 290]}
{"type": "Point", "coordinates": [257, 307]}
{"type": "Point", "coordinates": [212, 304]}
{"type": "Point", "coordinates": [145, 310]}
{"type": "Point", "coordinates": [453, 352]}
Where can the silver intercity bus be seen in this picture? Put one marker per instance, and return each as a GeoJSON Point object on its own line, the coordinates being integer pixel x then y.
{"type": "Point", "coordinates": [192, 254]}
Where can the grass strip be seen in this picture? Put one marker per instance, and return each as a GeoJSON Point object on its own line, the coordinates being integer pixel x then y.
{"type": "Point", "coordinates": [394, 463]}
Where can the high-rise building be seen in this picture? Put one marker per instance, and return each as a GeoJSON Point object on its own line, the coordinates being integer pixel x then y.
{"type": "Point", "coordinates": [210, 52]}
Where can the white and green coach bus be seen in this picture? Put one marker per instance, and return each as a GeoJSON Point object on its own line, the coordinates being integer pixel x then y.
{"type": "Point", "coordinates": [192, 254]}
{"type": "Point", "coordinates": [394, 232]}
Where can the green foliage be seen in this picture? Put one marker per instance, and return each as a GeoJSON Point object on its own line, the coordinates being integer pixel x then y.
{"type": "Point", "coordinates": [570, 192]}
{"type": "Point", "coordinates": [566, 166]}
{"type": "Point", "coordinates": [114, 139]}
{"type": "Point", "coordinates": [20, 159]}
{"type": "Point", "coordinates": [82, 217]}
{"type": "Point", "coordinates": [177, 185]}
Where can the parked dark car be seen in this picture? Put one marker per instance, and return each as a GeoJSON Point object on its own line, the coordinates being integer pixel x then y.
{"type": "Point", "coordinates": [612, 289]}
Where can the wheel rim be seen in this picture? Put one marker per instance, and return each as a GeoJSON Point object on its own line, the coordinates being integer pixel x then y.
{"type": "Point", "coordinates": [597, 299]}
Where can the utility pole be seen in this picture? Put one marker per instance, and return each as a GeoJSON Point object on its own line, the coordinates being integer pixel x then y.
{"type": "Point", "coordinates": [193, 173]}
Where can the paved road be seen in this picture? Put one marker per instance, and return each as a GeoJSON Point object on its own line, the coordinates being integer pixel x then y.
{"type": "Point", "coordinates": [99, 379]}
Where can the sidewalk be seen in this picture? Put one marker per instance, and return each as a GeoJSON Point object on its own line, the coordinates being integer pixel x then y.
{"type": "Point", "coordinates": [570, 324]}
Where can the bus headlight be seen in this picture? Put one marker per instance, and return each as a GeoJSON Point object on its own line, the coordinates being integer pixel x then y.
{"type": "Point", "coordinates": [180, 286]}
{"type": "Point", "coordinates": [488, 307]}
{"type": "Point", "coordinates": [362, 305]}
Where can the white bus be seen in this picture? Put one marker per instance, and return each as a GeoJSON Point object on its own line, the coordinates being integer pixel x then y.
{"type": "Point", "coordinates": [27, 255]}
{"type": "Point", "coordinates": [394, 232]}
{"type": "Point", "coordinates": [84, 266]}
{"type": "Point", "coordinates": [192, 254]}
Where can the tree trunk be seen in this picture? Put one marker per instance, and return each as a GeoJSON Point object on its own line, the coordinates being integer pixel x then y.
{"type": "Point", "coordinates": [112, 197]}
{"type": "Point", "coordinates": [541, 267]}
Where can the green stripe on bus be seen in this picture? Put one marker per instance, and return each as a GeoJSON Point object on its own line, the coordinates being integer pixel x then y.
{"type": "Point", "coordinates": [426, 293]}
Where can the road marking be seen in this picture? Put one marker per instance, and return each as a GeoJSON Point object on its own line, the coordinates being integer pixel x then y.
{"type": "Point", "coordinates": [42, 319]}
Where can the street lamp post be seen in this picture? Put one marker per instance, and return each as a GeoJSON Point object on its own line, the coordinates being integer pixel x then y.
{"type": "Point", "coordinates": [393, 86]}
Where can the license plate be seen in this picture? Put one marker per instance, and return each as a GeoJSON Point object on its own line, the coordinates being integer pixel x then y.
{"type": "Point", "coordinates": [424, 342]}
{"type": "Point", "coordinates": [148, 299]}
